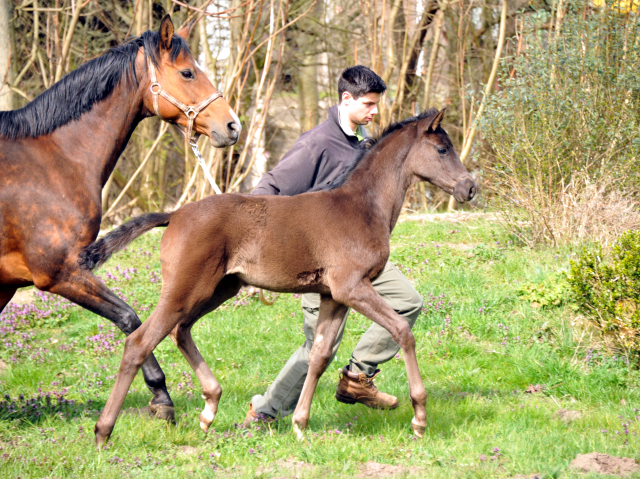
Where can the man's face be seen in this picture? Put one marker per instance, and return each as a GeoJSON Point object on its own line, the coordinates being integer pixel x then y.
{"type": "Point", "coordinates": [362, 110]}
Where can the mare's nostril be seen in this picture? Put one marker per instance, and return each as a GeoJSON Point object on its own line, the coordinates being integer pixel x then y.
{"type": "Point", "coordinates": [233, 129]}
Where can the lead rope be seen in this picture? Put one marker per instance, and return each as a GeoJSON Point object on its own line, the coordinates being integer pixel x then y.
{"type": "Point", "coordinates": [190, 111]}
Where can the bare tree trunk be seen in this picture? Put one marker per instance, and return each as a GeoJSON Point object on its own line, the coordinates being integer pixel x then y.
{"type": "Point", "coordinates": [308, 80]}
{"type": "Point", "coordinates": [6, 76]}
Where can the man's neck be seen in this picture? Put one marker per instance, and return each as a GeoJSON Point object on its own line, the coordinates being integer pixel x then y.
{"type": "Point", "coordinates": [345, 118]}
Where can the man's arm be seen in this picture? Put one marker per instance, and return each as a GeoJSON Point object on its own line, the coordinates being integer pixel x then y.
{"type": "Point", "coordinates": [295, 173]}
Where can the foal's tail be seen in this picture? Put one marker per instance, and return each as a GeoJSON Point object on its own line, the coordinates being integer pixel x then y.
{"type": "Point", "coordinates": [100, 251]}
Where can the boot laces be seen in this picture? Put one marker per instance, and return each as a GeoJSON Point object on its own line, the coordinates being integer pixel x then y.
{"type": "Point", "coordinates": [368, 382]}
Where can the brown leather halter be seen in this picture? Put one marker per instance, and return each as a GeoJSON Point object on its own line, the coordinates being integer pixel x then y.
{"type": "Point", "coordinates": [190, 111]}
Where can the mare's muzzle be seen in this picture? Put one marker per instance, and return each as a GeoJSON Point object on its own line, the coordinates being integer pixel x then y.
{"type": "Point", "coordinates": [464, 190]}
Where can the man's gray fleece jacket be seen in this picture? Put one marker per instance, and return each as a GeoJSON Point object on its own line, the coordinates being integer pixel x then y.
{"type": "Point", "coordinates": [318, 157]}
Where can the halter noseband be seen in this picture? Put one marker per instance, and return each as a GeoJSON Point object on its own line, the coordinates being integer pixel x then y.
{"type": "Point", "coordinates": [190, 111]}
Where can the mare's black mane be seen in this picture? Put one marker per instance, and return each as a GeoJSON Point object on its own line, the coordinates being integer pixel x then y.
{"type": "Point", "coordinates": [367, 145]}
{"type": "Point", "coordinates": [77, 92]}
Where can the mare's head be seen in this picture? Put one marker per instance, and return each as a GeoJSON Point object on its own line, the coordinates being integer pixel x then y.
{"type": "Point", "coordinates": [432, 158]}
{"type": "Point", "coordinates": [180, 77]}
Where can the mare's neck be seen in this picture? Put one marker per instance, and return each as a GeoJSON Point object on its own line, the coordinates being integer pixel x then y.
{"type": "Point", "coordinates": [96, 140]}
{"type": "Point", "coordinates": [381, 180]}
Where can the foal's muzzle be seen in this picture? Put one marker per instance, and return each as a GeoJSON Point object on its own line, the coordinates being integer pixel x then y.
{"type": "Point", "coordinates": [464, 190]}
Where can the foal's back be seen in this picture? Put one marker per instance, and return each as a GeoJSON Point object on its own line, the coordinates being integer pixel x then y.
{"type": "Point", "coordinates": [276, 242]}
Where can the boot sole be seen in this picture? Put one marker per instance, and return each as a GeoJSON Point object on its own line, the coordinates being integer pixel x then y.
{"type": "Point", "coordinates": [349, 400]}
{"type": "Point", "coordinates": [345, 399]}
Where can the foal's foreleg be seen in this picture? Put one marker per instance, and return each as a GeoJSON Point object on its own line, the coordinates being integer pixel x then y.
{"type": "Point", "coordinates": [364, 299]}
{"type": "Point", "coordinates": [181, 334]}
{"type": "Point", "coordinates": [137, 349]}
{"type": "Point", "coordinates": [329, 322]}
{"type": "Point", "coordinates": [86, 290]}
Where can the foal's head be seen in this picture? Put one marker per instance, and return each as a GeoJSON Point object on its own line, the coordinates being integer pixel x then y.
{"type": "Point", "coordinates": [179, 75]}
{"type": "Point", "coordinates": [433, 159]}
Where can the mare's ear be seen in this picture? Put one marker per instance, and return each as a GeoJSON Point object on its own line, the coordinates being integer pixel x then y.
{"type": "Point", "coordinates": [435, 120]}
{"type": "Point", "coordinates": [184, 31]}
{"type": "Point", "coordinates": [166, 32]}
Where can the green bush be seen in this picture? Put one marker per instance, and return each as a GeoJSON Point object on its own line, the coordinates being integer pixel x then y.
{"type": "Point", "coordinates": [607, 291]}
{"type": "Point", "coordinates": [565, 126]}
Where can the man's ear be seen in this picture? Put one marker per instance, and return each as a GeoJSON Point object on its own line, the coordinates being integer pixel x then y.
{"type": "Point", "coordinates": [345, 96]}
{"type": "Point", "coordinates": [166, 33]}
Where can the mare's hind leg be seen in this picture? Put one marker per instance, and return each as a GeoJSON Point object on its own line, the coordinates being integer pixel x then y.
{"type": "Point", "coordinates": [329, 321]}
{"type": "Point", "coordinates": [85, 289]}
{"type": "Point", "coordinates": [6, 293]}
{"type": "Point", "coordinates": [181, 334]}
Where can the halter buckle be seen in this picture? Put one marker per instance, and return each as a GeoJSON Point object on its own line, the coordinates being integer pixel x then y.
{"type": "Point", "coordinates": [190, 111]}
{"type": "Point", "coordinates": [154, 84]}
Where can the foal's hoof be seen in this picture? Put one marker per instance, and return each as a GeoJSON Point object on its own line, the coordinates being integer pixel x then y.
{"type": "Point", "coordinates": [418, 430]}
{"type": "Point", "coordinates": [101, 439]}
{"type": "Point", "coordinates": [163, 411]}
{"type": "Point", "coordinates": [205, 424]}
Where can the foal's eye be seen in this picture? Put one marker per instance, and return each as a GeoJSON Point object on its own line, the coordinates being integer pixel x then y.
{"type": "Point", "coordinates": [442, 151]}
{"type": "Point", "coordinates": [187, 74]}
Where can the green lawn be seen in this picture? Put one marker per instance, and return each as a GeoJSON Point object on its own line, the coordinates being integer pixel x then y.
{"type": "Point", "coordinates": [480, 345]}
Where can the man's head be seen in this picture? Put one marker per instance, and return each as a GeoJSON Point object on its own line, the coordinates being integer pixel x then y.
{"type": "Point", "coordinates": [360, 90]}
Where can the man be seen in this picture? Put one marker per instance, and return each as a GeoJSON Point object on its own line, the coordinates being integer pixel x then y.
{"type": "Point", "coordinates": [317, 158]}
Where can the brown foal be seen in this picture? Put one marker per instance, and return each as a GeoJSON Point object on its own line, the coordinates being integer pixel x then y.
{"type": "Point", "coordinates": [332, 241]}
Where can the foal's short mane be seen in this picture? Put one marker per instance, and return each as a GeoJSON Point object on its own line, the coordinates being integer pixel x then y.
{"type": "Point", "coordinates": [77, 92]}
{"type": "Point", "coordinates": [372, 144]}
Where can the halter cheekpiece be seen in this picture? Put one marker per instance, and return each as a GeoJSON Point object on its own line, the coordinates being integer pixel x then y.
{"type": "Point", "coordinates": [190, 111]}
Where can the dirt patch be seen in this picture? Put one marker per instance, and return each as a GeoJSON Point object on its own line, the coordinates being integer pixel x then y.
{"type": "Point", "coordinates": [527, 476]}
{"type": "Point", "coordinates": [604, 464]}
{"type": "Point", "coordinates": [568, 416]}
{"type": "Point", "coordinates": [455, 217]}
{"type": "Point", "coordinates": [24, 296]}
{"type": "Point", "coordinates": [374, 469]}
{"type": "Point", "coordinates": [3, 366]}
{"type": "Point", "coordinates": [535, 389]}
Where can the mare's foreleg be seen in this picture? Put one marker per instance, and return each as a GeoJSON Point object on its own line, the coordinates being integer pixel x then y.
{"type": "Point", "coordinates": [364, 299]}
{"type": "Point", "coordinates": [85, 289]}
{"type": "Point", "coordinates": [329, 320]}
{"type": "Point", "coordinates": [6, 293]}
{"type": "Point", "coordinates": [181, 334]}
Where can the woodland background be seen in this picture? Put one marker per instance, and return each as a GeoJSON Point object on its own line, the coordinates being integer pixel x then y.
{"type": "Point", "coordinates": [542, 95]}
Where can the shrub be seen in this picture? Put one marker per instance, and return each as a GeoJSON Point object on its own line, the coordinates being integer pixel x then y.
{"type": "Point", "coordinates": [563, 132]}
{"type": "Point", "coordinates": [607, 291]}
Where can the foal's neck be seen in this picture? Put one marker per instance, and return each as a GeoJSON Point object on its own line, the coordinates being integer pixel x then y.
{"type": "Point", "coordinates": [381, 180]}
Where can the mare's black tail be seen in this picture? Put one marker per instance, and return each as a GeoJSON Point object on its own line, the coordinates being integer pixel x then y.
{"type": "Point", "coordinates": [100, 251]}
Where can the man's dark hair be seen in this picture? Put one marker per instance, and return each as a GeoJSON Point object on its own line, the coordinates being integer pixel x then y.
{"type": "Point", "coordinates": [359, 81]}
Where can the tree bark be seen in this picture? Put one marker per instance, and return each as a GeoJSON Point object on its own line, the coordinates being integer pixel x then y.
{"type": "Point", "coordinates": [6, 76]}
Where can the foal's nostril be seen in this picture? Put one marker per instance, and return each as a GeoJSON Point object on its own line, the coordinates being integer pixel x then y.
{"type": "Point", "coordinates": [472, 192]}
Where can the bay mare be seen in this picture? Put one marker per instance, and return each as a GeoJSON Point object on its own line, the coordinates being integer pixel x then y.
{"type": "Point", "coordinates": [331, 241]}
{"type": "Point", "coordinates": [57, 153]}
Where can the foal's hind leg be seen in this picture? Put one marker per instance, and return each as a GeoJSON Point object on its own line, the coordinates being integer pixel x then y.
{"type": "Point", "coordinates": [181, 334]}
{"type": "Point", "coordinates": [329, 321]}
{"type": "Point", "coordinates": [85, 289]}
{"type": "Point", "coordinates": [364, 299]}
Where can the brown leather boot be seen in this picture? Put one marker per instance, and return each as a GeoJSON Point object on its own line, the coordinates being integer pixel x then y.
{"type": "Point", "coordinates": [354, 388]}
{"type": "Point", "coordinates": [254, 418]}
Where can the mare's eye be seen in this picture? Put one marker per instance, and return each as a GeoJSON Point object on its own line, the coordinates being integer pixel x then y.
{"type": "Point", "coordinates": [442, 151]}
{"type": "Point", "coordinates": [187, 74]}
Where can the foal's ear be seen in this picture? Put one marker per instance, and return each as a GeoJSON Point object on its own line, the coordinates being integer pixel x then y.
{"type": "Point", "coordinates": [166, 32]}
{"type": "Point", "coordinates": [184, 31]}
{"type": "Point", "coordinates": [435, 120]}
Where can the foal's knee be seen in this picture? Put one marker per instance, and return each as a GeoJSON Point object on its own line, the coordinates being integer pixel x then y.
{"type": "Point", "coordinates": [403, 336]}
{"type": "Point", "coordinates": [134, 356]}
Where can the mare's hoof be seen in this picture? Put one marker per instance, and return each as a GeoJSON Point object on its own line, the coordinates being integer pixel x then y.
{"type": "Point", "coordinates": [418, 430]}
{"type": "Point", "coordinates": [163, 411]}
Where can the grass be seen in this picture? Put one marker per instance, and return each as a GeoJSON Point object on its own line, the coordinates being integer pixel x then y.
{"type": "Point", "coordinates": [481, 343]}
